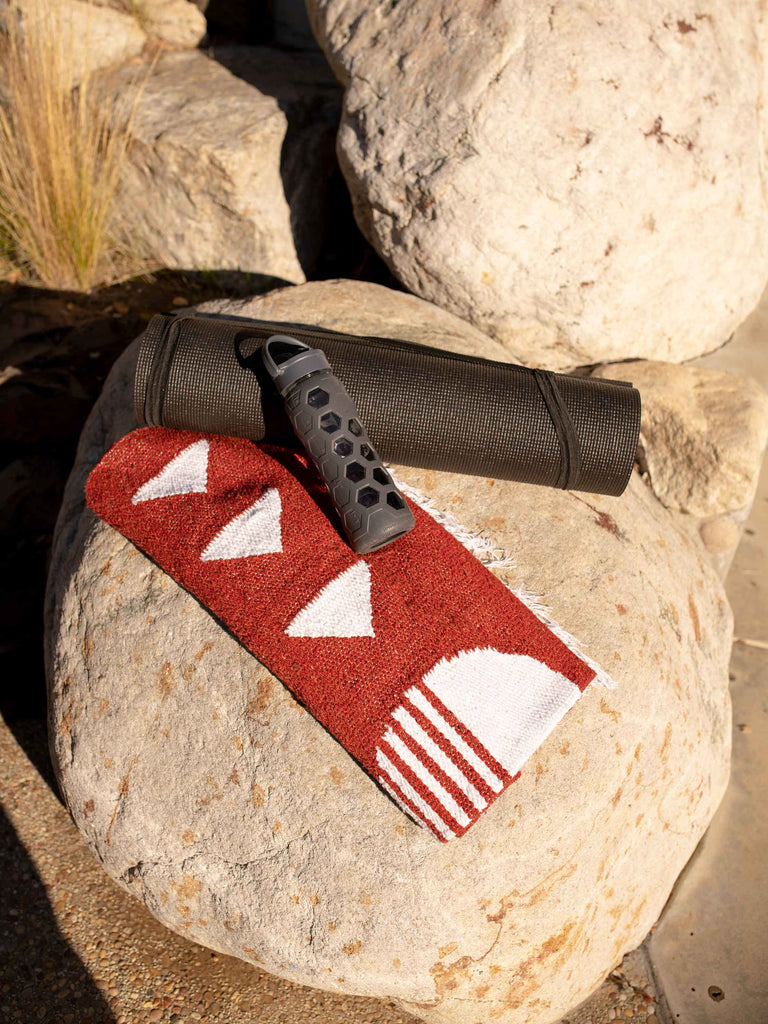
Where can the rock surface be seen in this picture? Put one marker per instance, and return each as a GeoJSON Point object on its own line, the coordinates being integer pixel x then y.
{"type": "Point", "coordinates": [209, 793]}
{"type": "Point", "coordinates": [177, 22]}
{"type": "Point", "coordinates": [231, 160]}
{"type": "Point", "coordinates": [582, 181]}
{"type": "Point", "coordinates": [704, 433]}
{"type": "Point", "coordinates": [93, 37]}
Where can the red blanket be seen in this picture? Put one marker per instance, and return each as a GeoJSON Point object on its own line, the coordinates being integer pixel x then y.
{"type": "Point", "coordinates": [429, 671]}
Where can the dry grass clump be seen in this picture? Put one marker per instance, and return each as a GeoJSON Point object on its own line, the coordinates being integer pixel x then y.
{"type": "Point", "coordinates": [62, 152]}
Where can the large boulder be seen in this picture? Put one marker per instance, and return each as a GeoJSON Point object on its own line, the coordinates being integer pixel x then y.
{"type": "Point", "coordinates": [207, 791]}
{"type": "Point", "coordinates": [583, 181]}
{"type": "Point", "coordinates": [231, 160]}
{"type": "Point", "coordinates": [88, 37]}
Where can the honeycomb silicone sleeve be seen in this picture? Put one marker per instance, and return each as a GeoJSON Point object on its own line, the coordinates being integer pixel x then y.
{"type": "Point", "coordinates": [324, 418]}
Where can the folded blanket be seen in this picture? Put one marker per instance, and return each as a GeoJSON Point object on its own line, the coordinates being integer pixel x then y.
{"type": "Point", "coordinates": [433, 675]}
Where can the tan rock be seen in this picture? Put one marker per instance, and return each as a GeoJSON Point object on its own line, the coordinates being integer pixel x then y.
{"type": "Point", "coordinates": [217, 179]}
{"type": "Point", "coordinates": [217, 800]}
{"type": "Point", "coordinates": [581, 180]}
{"type": "Point", "coordinates": [93, 37]}
{"type": "Point", "coordinates": [703, 433]}
{"type": "Point", "coordinates": [719, 536]}
{"type": "Point", "coordinates": [177, 22]}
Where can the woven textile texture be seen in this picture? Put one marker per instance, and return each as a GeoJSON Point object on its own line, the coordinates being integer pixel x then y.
{"type": "Point", "coordinates": [428, 670]}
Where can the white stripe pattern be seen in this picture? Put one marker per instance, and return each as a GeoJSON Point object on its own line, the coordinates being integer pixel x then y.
{"type": "Point", "coordinates": [417, 698]}
{"type": "Point", "coordinates": [415, 731]}
{"type": "Point", "coordinates": [424, 775]}
{"type": "Point", "coordinates": [408, 791]}
{"type": "Point", "coordinates": [401, 803]}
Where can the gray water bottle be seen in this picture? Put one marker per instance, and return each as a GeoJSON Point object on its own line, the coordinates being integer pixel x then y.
{"type": "Point", "coordinates": [325, 419]}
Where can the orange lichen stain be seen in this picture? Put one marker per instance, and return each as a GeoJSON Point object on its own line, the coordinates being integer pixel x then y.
{"type": "Point", "coordinates": [366, 899]}
{"type": "Point", "coordinates": [103, 705]}
{"type": "Point", "coordinates": [183, 909]}
{"type": "Point", "coordinates": [277, 827]}
{"type": "Point", "coordinates": [337, 775]}
{"type": "Point", "coordinates": [332, 926]}
{"type": "Point", "coordinates": [585, 764]}
{"type": "Point", "coordinates": [621, 609]}
{"type": "Point", "coordinates": [400, 829]}
{"type": "Point", "coordinates": [481, 991]}
{"type": "Point", "coordinates": [187, 888]}
{"type": "Point", "coordinates": [295, 898]}
{"type": "Point", "coordinates": [259, 704]}
{"type": "Point", "coordinates": [202, 920]}
{"type": "Point", "coordinates": [493, 523]}
{"type": "Point", "coordinates": [608, 710]}
{"type": "Point", "coordinates": [88, 808]}
{"type": "Point", "coordinates": [87, 646]}
{"type": "Point", "coordinates": [238, 742]}
{"type": "Point", "coordinates": [257, 795]}
{"type": "Point", "coordinates": [122, 793]}
{"type": "Point", "coordinates": [108, 762]}
{"type": "Point", "coordinates": [665, 747]}
{"type": "Point", "coordinates": [444, 951]}
{"type": "Point", "coordinates": [616, 656]}
{"type": "Point", "coordinates": [638, 819]}
{"type": "Point", "coordinates": [636, 754]}
{"type": "Point", "coordinates": [165, 680]}
{"type": "Point", "coordinates": [187, 671]}
{"type": "Point", "coordinates": [533, 896]}
{"type": "Point", "coordinates": [693, 612]}
{"type": "Point", "coordinates": [619, 749]}
{"type": "Point", "coordinates": [484, 903]}
{"type": "Point", "coordinates": [315, 899]}
{"type": "Point", "coordinates": [540, 769]}
{"type": "Point", "coordinates": [104, 570]}
{"type": "Point", "coordinates": [352, 947]}
{"type": "Point", "coordinates": [207, 646]}
{"type": "Point", "coordinates": [447, 977]}
{"type": "Point", "coordinates": [565, 746]}
{"type": "Point", "coordinates": [188, 836]}
{"type": "Point", "coordinates": [234, 777]}
{"type": "Point", "coordinates": [251, 953]}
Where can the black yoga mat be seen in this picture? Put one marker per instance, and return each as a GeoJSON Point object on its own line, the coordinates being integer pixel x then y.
{"type": "Point", "coordinates": [422, 406]}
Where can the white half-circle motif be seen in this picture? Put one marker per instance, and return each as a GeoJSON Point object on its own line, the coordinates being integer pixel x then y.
{"type": "Point", "coordinates": [509, 702]}
{"type": "Point", "coordinates": [186, 474]}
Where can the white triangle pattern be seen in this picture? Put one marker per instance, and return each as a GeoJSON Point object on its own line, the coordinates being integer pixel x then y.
{"type": "Point", "coordinates": [342, 608]}
{"type": "Point", "coordinates": [186, 474]}
{"type": "Point", "coordinates": [253, 532]}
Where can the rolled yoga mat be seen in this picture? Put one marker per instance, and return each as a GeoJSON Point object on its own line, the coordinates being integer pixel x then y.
{"type": "Point", "coordinates": [422, 406]}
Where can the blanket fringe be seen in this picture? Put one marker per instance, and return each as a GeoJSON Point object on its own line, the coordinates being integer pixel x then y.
{"type": "Point", "coordinates": [500, 562]}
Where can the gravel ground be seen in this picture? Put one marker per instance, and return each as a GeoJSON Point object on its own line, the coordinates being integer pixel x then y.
{"type": "Point", "coordinates": [76, 949]}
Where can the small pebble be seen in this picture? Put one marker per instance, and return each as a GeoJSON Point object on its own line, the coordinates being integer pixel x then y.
{"type": "Point", "coordinates": [179, 300]}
